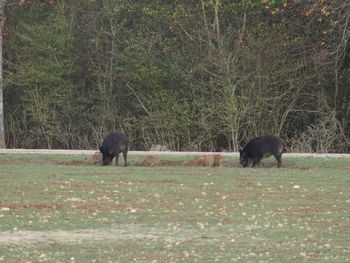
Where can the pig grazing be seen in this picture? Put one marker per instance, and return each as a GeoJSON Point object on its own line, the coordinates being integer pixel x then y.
{"type": "Point", "coordinates": [112, 145]}
{"type": "Point", "coordinates": [260, 147]}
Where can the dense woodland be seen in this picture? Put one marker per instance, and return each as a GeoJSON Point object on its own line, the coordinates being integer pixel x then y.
{"type": "Point", "coordinates": [195, 75]}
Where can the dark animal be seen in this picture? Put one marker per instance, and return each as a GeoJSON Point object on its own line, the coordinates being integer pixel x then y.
{"type": "Point", "coordinates": [260, 147]}
{"type": "Point", "coordinates": [112, 145]}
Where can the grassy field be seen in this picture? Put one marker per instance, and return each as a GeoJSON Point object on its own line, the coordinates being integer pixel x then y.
{"type": "Point", "coordinates": [57, 208]}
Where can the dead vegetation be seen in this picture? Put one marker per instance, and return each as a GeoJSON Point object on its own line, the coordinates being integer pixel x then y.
{"type": "Point", "coordinates": [97, 158]}
{"type": "Point", "coordinates": [150, 161]}
{"type": "Point", "coordinates": [210, 160]}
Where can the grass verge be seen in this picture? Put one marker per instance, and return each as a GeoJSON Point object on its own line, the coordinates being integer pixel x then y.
{"type": "Point", "coordinates": [57, 208]}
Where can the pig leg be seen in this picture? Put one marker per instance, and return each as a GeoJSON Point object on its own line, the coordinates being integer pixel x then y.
{"type": "Point", "coordinates": [256, 161]}
{"type": "Point", "coordinates": [279, 160]}
{"type": "Point", "coordinates": [116, 159]}
{"type": "Point", "coordinates": [125, 158]}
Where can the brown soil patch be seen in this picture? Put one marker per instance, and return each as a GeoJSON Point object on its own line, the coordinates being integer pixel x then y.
{"type": "Point", "coordinates": [209, 160]}
{"type": "Point", "coordinates": [160, 163]}
{"type": "Point", "coordinates": [48, 161]}
{"type": "Point", "coordinates": [32, 206]}
{"type": "Point", "coordinates": [97, 158]}
{"type": "Point", "coordinates": [102, 207]}
{"type": "Point", "coordinates": [76, 163]}
{"type": "Point", "coordinates": [41, 160]}
{"type": "Point", "coordinates": [157, 181]}
{"type": "Point", "coordinates": [12, 162]}
{"type": "Point", "coordinates": [150, 161]}
{"type": "Point", "coordinates": [170, 163]}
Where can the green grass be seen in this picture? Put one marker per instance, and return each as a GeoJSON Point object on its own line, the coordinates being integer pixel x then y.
{"type": "Point", "coordinates": [63, 209]}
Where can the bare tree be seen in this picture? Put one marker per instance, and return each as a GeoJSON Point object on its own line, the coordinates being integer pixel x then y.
{"type": "Point", "coordinates": [2, 129]}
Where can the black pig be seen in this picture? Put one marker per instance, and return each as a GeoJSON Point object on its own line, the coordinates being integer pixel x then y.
{"type": "Point", "coordinates": [112, 145]}
{"type": "Point", "coordinates": [260, 147]}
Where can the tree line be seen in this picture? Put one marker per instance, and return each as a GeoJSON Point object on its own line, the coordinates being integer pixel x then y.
{"type": "Point", "coordinates": [197, 75]}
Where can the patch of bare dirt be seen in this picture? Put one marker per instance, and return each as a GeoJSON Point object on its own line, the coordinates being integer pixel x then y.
{"type": "Point", "coordinates": [208, 160]}
{"type": "Point", "coordinates": [31, 206]}
{"type": "Point", "coordinates": [97, 158]}
{"type": "Point", "coordinates": [153, 161]}
{"type": "Point", "coordinates": [48, 161]}
{"type": "Point", "coordinates": [150, 161]}
{"type": "Point", "coordinates": [76, 163]}
{"type": "Point", "coordinates": [158, 181]}
{"type": "Point", "coordinates": [104, 207]}
{"type": "Point", "coordinates": [22, 161]}
{"type": "Point", "coordinates": [12, 161]}
{"type": "Point", "coordinates": [170, 163]}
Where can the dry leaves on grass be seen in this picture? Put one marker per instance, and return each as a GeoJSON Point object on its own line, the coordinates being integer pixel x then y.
{"type": "Point", "coordinates": [209, 160]}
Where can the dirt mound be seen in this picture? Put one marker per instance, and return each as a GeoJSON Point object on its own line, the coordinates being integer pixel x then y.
{"type": "Point", "coordinates": [150, 161]}
{"type": "Point", "coordinates": [97, 158]}
{"type": "Point", "coordinates": [210, 160]}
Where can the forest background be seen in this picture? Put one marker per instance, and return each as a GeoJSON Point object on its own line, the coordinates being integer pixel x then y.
{"type": "Point", "coordinates": [197, 75]}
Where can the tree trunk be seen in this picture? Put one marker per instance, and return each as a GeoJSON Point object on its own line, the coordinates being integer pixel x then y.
{"type": "Point", "coordinates": [2, 128]}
